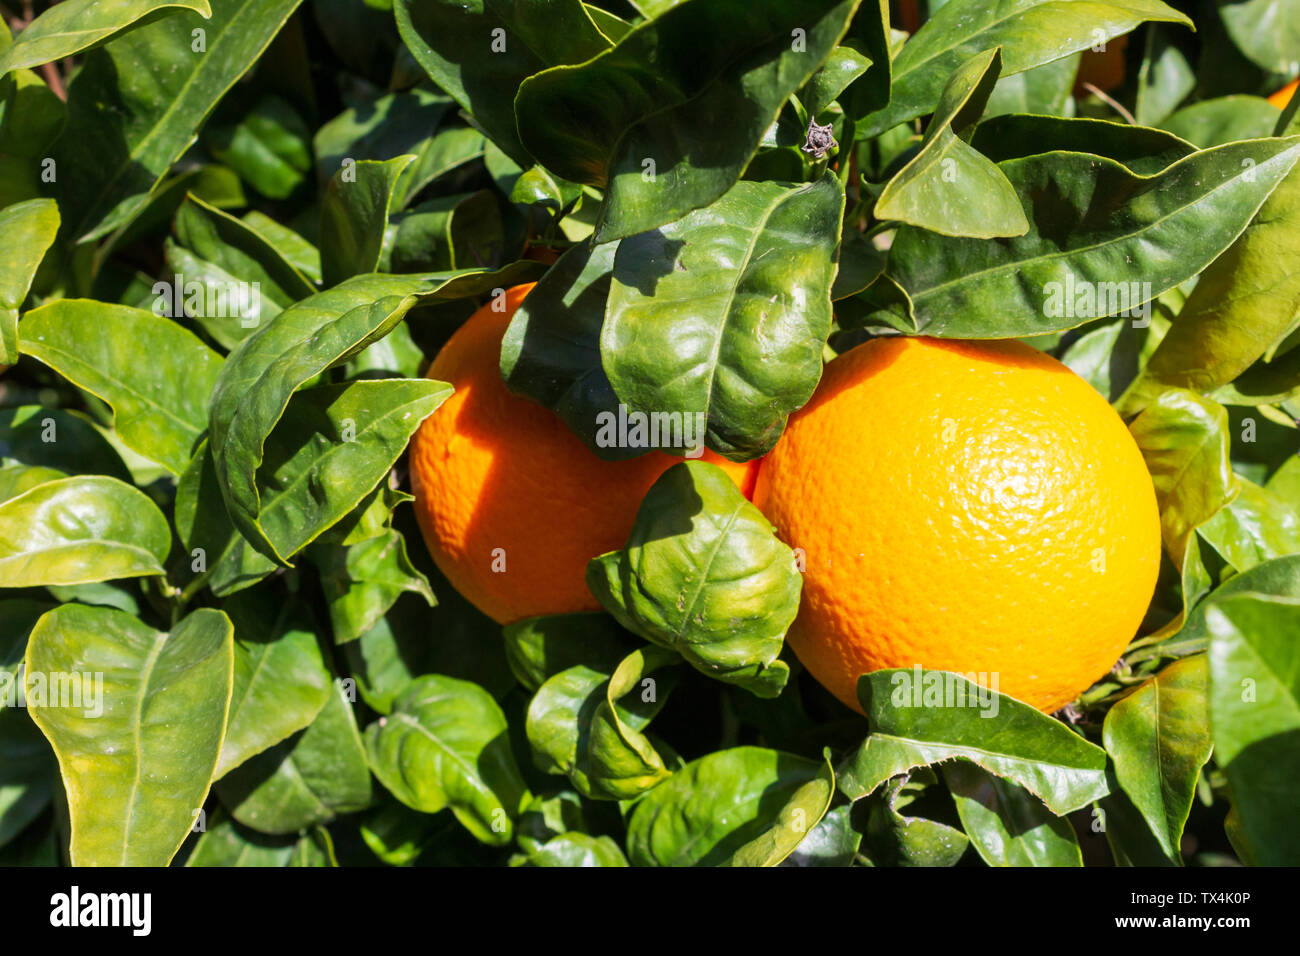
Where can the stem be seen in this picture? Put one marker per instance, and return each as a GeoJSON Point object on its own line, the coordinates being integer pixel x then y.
{"type": "Point", "coordinates": [1115, 104]}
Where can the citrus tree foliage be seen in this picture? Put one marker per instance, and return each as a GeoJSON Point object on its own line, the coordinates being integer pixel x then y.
{"type": "Point", "coordinates": [232, 235]}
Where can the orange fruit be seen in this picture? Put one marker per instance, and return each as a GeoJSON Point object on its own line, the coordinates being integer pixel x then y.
{"type": "Point", "coordinates": [1104, 68]}
{"type": "Point", "coordinates": [1283, 96]}
{"type": "Point", "coordinates": [963, 506]}
{"type": "Point", "coordinates": [512, 504]}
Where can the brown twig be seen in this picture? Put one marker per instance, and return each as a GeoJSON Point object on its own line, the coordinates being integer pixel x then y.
{"type": "Point", "coordinates": [1112, 102]}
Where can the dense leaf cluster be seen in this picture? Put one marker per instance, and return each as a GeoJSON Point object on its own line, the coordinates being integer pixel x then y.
{"type": "Point", "coordinates": [233, 233]}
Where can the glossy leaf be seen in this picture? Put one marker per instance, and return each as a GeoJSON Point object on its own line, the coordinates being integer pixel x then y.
{"type": "Point", "coordinates": [362, 581]}
{"type": "Point", "coordinates": [538, 648]}
{"type": "Point", "coordinates": [1255, 526]}
{"type": "Point", "coordinates": [1186, 444]}
{"type": "Point", "coordinates": [80, 529]}
{"type": "Point", "coordinates": [137, 772]}
{"type": "Point", "coordinates": [577, 849]}
{"type": "Point", "coordinates": [588, 724]}
{"type": "Point", "coordinates": [804, 809]}
{"type": "Point", "coordinates": [833, 842]}
{"type": "Point", "coordinates": [1007, 824]}
{"type": "Point", "coordinates": [892, 839]}
{"type": "Point", "coordinates": [323, 330]}
{"type": "Point", "coordinates": [1016, 743]}
{"type": "Point", "coordinates": [715, 806]}
{"type": "Point", "coordinates": [75, 26]}
{"type": "Point", "coordinates": [746, 283]}
{"type": "Point", "coordinates": [475, 56]}
{"type": "Point", "coordinates": [551, 349]}
{"type": "Point", "coordinates": [140, 121]}
{"type": "Point", "coordinates": [27, 772]}
{"type": "Point", "coordinates": [1243, 303]}
{"type": "Point", "coordinates": [281, 679]}
{"type": "Point", "coordinates": [1144, 151]}
{"type": "Point", "coordinates": [310, 778]}
{"type": "Point", "coordinates": [445, 745]}
{"type": "Point", "coordinates": [948, 187]}
{"type": "Point", "coordinates": [703, 574]}
{"type": "Point", "coordinates": [332, 446]}
{"type": "Point", "coordinates": [1159, 738]}
{"type": "Point", "coordinates": [228, 843]}
{"type": "Point", "coordinates": [159, 406]}
{"type": "Point", "coordinates": [354, 217]}
{"type": "Point", "coordinates": [1255, 715]}
{"type": "Point", "coordinates": [1078, 261]}
{"type": "Point", "coordinates": [1030, 32]}
{"type": "Point", "coordinates": [697, 128]}
{"type": "Point", "coordinates": [27, 230]}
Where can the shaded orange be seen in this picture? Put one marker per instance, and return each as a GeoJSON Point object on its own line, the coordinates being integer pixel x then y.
{"type": "Point", "coordinates": [500, 478]}
{"type": "Point", "coordinates": [1282, 97]}
{"type": "Point", "coordinates": [965, 506]}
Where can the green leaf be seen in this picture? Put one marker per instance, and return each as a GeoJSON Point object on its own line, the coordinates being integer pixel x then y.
{"type": "Point", "coordinates": [159, 406]}
{"type": "Point", "coordinates": [844, 65]}
{"type": "Point", "coordinates": [892, 839]}
{"type": "Point", "coordinates": [1030, 32]}
{"type": "Point", "coordinates": [1185, 441]}
{"type": "Point", "coordinates": [15, 479]}
{"type": "Point", "coordinates": [1080, 261]}
{"type": "Point", "coordinates": [395, 833]}
{"type": "Point", "coordinates": [1008, 825]}
{"type": "Point", "coordinates": [833, 842]}
{"type": "Point", "coordinates": [948, 187]}
{"type": "Point", "coordinates": [1159, 738]}
{"type": "Point", "coordinates": [717, 805]}
{"type": "Point", "coordinates": [287, 244]}
{"type": "Point", "coordinates": [1111, 355]}
{"type": "Point", "coordinates": [1165, 78]}
{"type": "Point", "coordinates": [995, 732]}
{"type": "Point", "coordinates": [746, 283]}
{"type": "Point", "coordinates": [229, 843]}
{"type": "Point", "coordinates": [56, 438]}
{"type": "Point", "coordinates": [577, 849]}
{"type": "Point", "coordinates": [27, 230]}
{"type": "Point", "coordinates": [804, 809]}
{"type": "Point", "coordinates": [138, 761]}
{"type": "Point", "coordinates": [703, 574]}
{"type": "Point", "coordinates": [80, 529]}
{"type": "Point", "coordinates": [588, 724]}
{"type": "Point", "coordinates": [1267, 31]}
{"type": "Point", "coordinates": [245, 251]}
{"type": "Point", "coordinates": [1224, 120]}
{"type": "Point", "coordinates": [1043, 90]}
{"type": "Point", "coordinates": [1255, 526]}
{"type": "Point", "coordinates": [362, 581]}
{"type": "Point", "coordinates": [270, 147]}
{"type": "Point", "coordinates": [1244, 302]}
{"type": "Point", "coordinates": [354, 216]}
{"type": "Point", "coordinates": [310, 778]}
{"type": "Point", "coordinates": [1144, 151]}
{"type": "Point", "coordinates": [333, 445]}
{"type": "Point", "coordinates": [449, 232]}
{"type": "Point", "coordinates": [281, 679]}
{"type": "Point", "coordinates": [475, 56]}
{"type": "Point", "coordinates": [551, 349]}
{"type": "Point", "coordinates": [696, 117]}
{"type": "Point", "coordinates": [1255, 715]}
{"type": "Point", "coordinates": [386, 127]}
{"type": "Point", "coordinates": [321, 331]}
{"type": "Point", "coordinates": [445, 745]}
{"type": "Point", "coordinates": [75, 26]}
{"type": "Point", "coordinates": [133, 123]}
{"type": "Point", "coordinates": [538, 648]}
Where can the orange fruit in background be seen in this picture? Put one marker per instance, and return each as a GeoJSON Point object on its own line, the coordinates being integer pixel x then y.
{"type": "Point", "coordinates": [1283, 96]}
{"type": "Point", "coordinates": [963, 506]}
{"type": "Point", "coordinates": [1104, 69]}
{"type": "Point", "coordinates": [512, 504]}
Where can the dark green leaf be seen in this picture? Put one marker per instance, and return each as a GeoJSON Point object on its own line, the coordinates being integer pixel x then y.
{"type": "Point", "coordinates": [703, 574]}
{"type": "Point", "coordinates": [1008, 825]}
{"type": "Point", "coordinates": [27, 230]}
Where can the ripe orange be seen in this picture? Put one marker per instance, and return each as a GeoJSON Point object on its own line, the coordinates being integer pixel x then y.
{"type": "Point", "coordinates": [1283, 96]}
{"type": "Point", "coordinates": [512, 504]}
{"type": "Point", "coordinates": [964, 506]}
